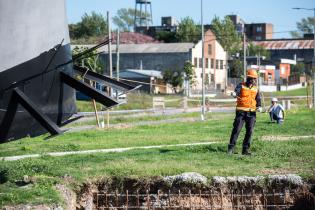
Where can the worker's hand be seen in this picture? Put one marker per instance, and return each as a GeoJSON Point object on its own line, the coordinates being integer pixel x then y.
{"type": "Point", "coordinates": [259, 109]}
{"type": "Point", "coordinates": [233, 94]}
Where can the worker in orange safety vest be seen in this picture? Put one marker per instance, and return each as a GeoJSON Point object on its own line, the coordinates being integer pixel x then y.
{"type": "Point", "coordinates": [248, 102]}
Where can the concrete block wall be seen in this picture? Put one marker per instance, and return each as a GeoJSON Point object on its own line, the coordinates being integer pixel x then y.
{"type": "Point", "coordinates": [150, 61]}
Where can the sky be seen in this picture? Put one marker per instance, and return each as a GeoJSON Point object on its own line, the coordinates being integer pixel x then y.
{"type": "Point", "coordinates": [277, 12]}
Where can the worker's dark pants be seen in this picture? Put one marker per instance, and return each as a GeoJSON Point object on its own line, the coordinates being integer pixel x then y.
{"type": "Point", "coordinates": [273, 117]}
{"type": "Point", "coordinates": [250, 119]}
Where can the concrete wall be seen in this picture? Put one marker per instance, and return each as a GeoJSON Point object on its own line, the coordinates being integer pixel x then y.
{"type": "Point", "coordinates": [150, 61]}
{"type": "Point", "coordinates": [29, 28]}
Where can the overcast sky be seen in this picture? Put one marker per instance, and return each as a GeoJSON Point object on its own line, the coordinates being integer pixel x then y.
{"type": "Point", "coordinates": [277, 12]}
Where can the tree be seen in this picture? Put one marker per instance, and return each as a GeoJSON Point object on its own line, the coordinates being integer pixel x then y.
{"type": "Point", "coordinates": [189, 71]}
{"type": "Point", "coordinates": [230, 41]}
{"type": "Point", "coordinates": [93, 25]}
{"type": "Point", "coordinates": [124, 19]}
{"type": "Point", "coordinates": [226, 34]}
{"type": "Point", "coordinates": [173, 77]}
{"type": "Point", "coordinates": [305, 26]}
{"type": "Point", "coordinates": [236, 68]}
{"type": "Point", "coordinates": [298, 69]}
{"type": "Point", "coordinates": [188, 31]}
{"type": "Point", "coordinates": [91, 62]}
{"type": "Point", "coordinates": [166, 36]}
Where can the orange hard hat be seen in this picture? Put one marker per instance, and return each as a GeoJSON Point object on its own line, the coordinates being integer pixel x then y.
{"type": "Point", "coordinates": [252, 73]}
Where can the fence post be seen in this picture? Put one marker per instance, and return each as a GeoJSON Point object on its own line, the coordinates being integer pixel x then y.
{"type": "Point", "coordinates": [185, 103]}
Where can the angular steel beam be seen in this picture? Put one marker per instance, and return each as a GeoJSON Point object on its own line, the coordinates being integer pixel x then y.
{"type": "Point", "coordinates": [88, 90]}
{"type": "Point", "coordinates": [117, 85]}
{"type": "Point", "coordinates": [18, 97]}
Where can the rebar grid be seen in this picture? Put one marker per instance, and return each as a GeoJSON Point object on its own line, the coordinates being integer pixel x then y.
{"type": "Point", "coordinates": [212, 200]}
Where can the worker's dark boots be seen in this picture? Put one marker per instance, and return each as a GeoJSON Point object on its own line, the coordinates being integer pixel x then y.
{"type": "Point", "coordinates": [230, 149]}
{"type": "Point", "coordinates": [245, 151]}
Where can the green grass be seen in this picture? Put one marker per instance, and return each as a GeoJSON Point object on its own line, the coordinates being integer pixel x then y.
{"type": "Point", "coordinates": [209, 160]}
{"type": "Point", "coordinates": [138, 101]}
{"type": "Point", "coordinates": [126, 118]}
{"type": "Point", "coordinates": [216, 128]}
{"type": "Point", "coordinates": [297, 92]}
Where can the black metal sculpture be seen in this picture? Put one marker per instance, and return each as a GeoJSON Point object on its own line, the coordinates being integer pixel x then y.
{"type": "Point", "coordinates": [37, 81]}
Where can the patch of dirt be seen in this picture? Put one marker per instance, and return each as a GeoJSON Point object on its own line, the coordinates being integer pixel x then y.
{"type": "Point", "coordinates": [276, 171]}
{"type": "Point", "coordinates": [285, 138]}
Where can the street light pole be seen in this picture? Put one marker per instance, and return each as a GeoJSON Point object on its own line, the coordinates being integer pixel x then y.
{"type": "Point", "coordinates": [313, 61]}
{"type": "Point", "coordinates": [203, 65]}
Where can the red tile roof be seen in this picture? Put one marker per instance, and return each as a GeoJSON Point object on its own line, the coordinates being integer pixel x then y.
{"type": "Point", "coordinates": [133, 38]}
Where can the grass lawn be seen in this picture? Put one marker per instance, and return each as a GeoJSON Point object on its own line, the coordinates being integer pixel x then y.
{"type": "Point", "coordinates": [297, 92]}
{"type": "Point", "coordinates": [271, 157]}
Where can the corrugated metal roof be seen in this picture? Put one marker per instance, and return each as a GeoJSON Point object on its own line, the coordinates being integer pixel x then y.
{"type": "Point", "coordinates": [147, 48]}
{"type": "Point", "coordinates": [152, 48]}
{"type": "Point", "coordinates": [286, 44]}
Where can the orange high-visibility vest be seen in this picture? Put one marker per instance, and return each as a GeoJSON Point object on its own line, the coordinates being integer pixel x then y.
{"type": "Point", "coordinates": [247, 99]}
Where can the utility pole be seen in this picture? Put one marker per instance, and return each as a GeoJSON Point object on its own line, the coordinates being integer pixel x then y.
{"type": "Point", "coordinates": [117, 53]}
{"type": "Point", "coordinates": [203, 65]}
{"type": "Point", "coordinates": [117, 59]}
{"type": "Point", "coordinates": [244, 57]}
{"type": "Point", "coordinates": [313, 61]}
{"type": "Point", "coordinates": [110, 50]}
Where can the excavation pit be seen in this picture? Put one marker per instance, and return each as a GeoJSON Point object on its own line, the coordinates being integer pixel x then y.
{"type": "Point", "coordinates": [271, 192]}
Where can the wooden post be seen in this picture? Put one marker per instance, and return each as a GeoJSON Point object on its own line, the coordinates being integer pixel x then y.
{"type": "Point", "coordinates": [107, 118]}
{"type": "Point", "coordinates": [185, 103]}
{"type": "Point", "coordinates": [96, 114]}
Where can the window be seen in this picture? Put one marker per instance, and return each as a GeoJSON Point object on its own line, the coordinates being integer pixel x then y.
{"type": "Point", "coordinates": [221, 64]}
{"type": "Point", "coordinates": [207, 63]}
{"type": "Point", "coordinates": [212, 63]}
{"type": "Point", "coordinates": [207, 82]}
{"type": "Point", "coordinates": [259, 29]}
{"type": "Point", "coordinates": [217, 64]}
{"type": "Point", "coordinates": [200, 62]}
{"type": "Point", "coordinates": [209, 49]}
{"type": "Point", "coordinates": [212, 77]}
{"type": "Point", "coordinates": [201, 75]}
{"type": "Point", "coordinates": [195, 62]}
{"type": "Point", "coordinates": [258, 37]}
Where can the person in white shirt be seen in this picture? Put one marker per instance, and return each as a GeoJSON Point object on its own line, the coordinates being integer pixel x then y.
{"type": "Point", "coordinates": [276, 111]}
